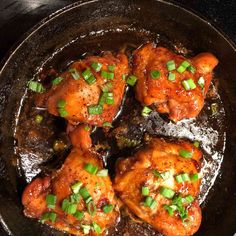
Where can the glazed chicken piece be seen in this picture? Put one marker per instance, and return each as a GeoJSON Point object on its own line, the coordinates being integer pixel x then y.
{"type": "Point", "coordinates": [78, 198]}
{"type": "Point", "coordinates": [160, 185]}
{"type": "Point", "coordinates": [172, 83]}
{"type": "Point", "coordinates": [90, 92]}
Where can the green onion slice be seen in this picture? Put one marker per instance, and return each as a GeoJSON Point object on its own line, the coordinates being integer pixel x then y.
{"type": "Point", "coordinates": [150, 202]}
{"type": "Point", "coordinates": [196, 144]}
{"type": "Point", "coordinates": [182, 177]}
{"type": "Point", "coordinates": [87, 73]}
{"type": "Point", "coordinates": [102, 173]}
{"type": "Point", "coordinates": [155, 74]}
{"type": "Point", "coordinates": [171, 76]}
{"type": "Point", "coordinates": [108, 208]}
{"type": "Point", "coordinates": [51, 201]}
{"type": "Point", "coordinates": [76, 187]}
{"type": "Point", "coordinates": [96, 228]}
{"type": "Point", "coordinates": [74, 73]}
{"type": "Point", "coordinates": [188, 84]}
{"type": "Point", "coordinates": [166, 192]}
{"type": "Point", "coordinates": [201, 82]}
{"type": "Point", "coordinates": [131, 80]}
{"type": "Point", "coordinates": [170, 65]}
{"type": "Point", "coordinates": [61, 103]}
{"type": "Point", "coordinates": [185, 153]}
{"type": "Point", "coordinates": [107, 124]}
{"type": "Point", "coordinates": [71, 209]}
{"type": "Point", "coordinates": [91, 208]}
{"type": "Point", "coordinates": [194, 177]}
{"type": "Point", "coordinates": [87, 128]}
{"type": "Point", "coordinates": [171, 209]}
{"type": "Point", "coordinates": [57, 81]}
{"type": "Point", "coordinates": [84, 193]}
{"type": "Point", "coordinates": [188, 199]}
{"type": "Point", "coordinates": [183, 66]}
{"type": "Point", "coordinates": [145, 191]}
{"type": "Point", "coordinates": [75, 198]}
{"type": "Point", "coordinates": [79, 215]}
{"type": "Point", "coordinates": [111, 68]}
{"type": "Point", "coordinates": [106, 87]}
{"type": "Point", "coordinates": [96, 66]}
{"type": "Point", "coordinates": [49, 216]}
{"type": "Point", "coordinates": [146, 111]}
{"type": "Point", "coordinates": [90, 168]}
{"type": "Point", "coordinates": [86, 228]}
{"type": "Point", "coordinates": [36, 87]}
{"type": "Point", "coordinates": [95, 109]}
{"type": "Point", "coordinates": [65, 204]}
{"type": "Point", "coordinates": [191, 69]}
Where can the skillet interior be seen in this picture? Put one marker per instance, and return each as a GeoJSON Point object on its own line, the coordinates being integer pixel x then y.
{"type": "Point", "coordinates": [174, 25]}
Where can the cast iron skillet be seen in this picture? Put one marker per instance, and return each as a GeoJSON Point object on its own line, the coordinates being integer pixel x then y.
{"type": "Point", "coordinates": [108, 25]}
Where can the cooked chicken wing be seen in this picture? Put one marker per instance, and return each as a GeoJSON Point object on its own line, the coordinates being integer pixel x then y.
{"type": "Point", "coordinates": [90, 92]}
{"type": "Point", "coordinates": [173, 84]}
{"type": "Point", "coordinates": [78, 198]}
{"type": "Point", "coordinates": [160, 185]}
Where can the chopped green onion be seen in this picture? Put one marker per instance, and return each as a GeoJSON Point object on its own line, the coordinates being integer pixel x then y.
{"type": "Point", "coordinates": [107, 208]}
{"type": "Point", "coordinates": [185, 177]}
{"type": "Point", "coordinates": [87, 128]}
{"type": "Point", "coordinates": [51, 201]}
{"type": "Point", "coordinates": [170, 65]}
{"type": "Point", "coordinates": [95, 109]}
{"type": "Point", "coordinates": [63, 112]}
{"type": "Point", "coordinates": [214, 108]}
{"type": "Point", "coordinates": [84, 193]}
{"type": "Point", "coordinates": [107, 124]}
{"type": "Point", "coordinates": [188, 84]}
{"type": "Point", "coordinates": [146, 111]}
{"type": "Point", "coordinates": [49, 216]}
{"type": "Point", "coordinates": [76, 187]}
{"type": "Point", "coordinates": [74, 73]}
{"type": "Point", "coordinates": [179, 178]}
{"type": "Point", "coordinates": [191, 69]}
{"type": "Point", "coordinates": [188, 199]}
{"type": "Point", "coordinates": [185, 153]}
{"type": "Point", "coordinates": [71, 209]}
{"type": "Point", "coordinates": [163, 175]}
{"type": "Point", "coordinates": [145, 191]}
{"type": "Point", "coordinates": [183, 66]}
{"type": "Point", "coordinates": [131, 80]}
{"type": "Point", "coordinates": [91, 208]}
{"type": "Point", "coordinates": [96, 228]}
{"type": "Point", "coordinates": [61, 103]}
{"type": "Point", "coordinates": [150, 202]}
{"type": "Point", "coordinates": [106, 87]}
{"type": "Point", "coordinates": [171, 76]}
{"type": "Point", "coordinates": [111, 68]}
{"type": "Point", "coordinates": [96, 66]}
{"type": "Point", "coordinates": [90, 168]}
{"type": "Point", "coordinates": [38, 118]}
{"type": "Point", "coordinates": [110, 99]}
{"type": "Point", "coordinates": [196, 144]}
{"type": "Point", "coordinates": [166, 192]}
{"type": "Point", "coordinates": [89, 199]}
{"type": "Point", "coordinates": [87, 73]}
{"type": "Point", "coordinates": [57, 81]}
{"type": "Point", "coordinates": [155, 74]}
{"type": "Point", "coordinates": [65, 204]}
{"type": "Point", "coordinates": [102, 173]}
{"type": "Point", "coordinates": [79, 215]}
{"type": "Point", "coordinates": [74, 198]}
{"type": "Point", "coordinates": [171, 209]}
{"type": "Point", "coordinates": [110, 75]}
{"type": "Point", "coordinates": [36, 87]}
{"type": "Point", "coordinates": [104, 74]}
{"type": "Point", "coordinates": [194, 177]}
{"type": "Point", "coordinates": [201, 82]}
{"type": "Point", "coordinates": [91, 80]}
{"type": "Point", "coordinates": [86, 228]}
{"type": "Point", "coordinates": [124, 77]}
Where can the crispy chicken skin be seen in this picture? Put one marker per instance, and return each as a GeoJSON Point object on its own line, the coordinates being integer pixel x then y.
{"type": "Point", "coordinates": [78, 94]}
{"type": "Point", "coordinates": [59, 184]}
{"type": "Point", "coordinates": [170, 96]}
{"type": "Point", "coordinates": [135, 172]}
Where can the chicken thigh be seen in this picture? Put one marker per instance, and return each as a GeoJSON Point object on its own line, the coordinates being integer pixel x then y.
{"type": "Point", "coordinates": [160, 185]}
{"type": "Point", "coordinates": [173, 84]}
{"type": "Point", "coordinates": [90, 92]}
{"type": "Point", "coordinates": [78, 198]}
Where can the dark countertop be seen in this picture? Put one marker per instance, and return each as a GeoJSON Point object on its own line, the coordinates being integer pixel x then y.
{"type": "Point", "coordinates": [18, 16]}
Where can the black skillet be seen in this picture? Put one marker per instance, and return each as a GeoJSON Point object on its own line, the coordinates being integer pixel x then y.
{"type": "Point", "coordinates": [112, 25]}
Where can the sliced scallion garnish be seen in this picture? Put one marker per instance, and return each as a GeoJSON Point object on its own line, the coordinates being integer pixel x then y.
{"type": "Point", "coordinates": [36, 87]}
{"type": "Point", "coordinates": [107, 208]}
{"type": "Point", "coordinates": [185, 153]}
{"type": "Point", "coordinates": [155, 74]}
{"type": "Point", "coordinates": [131, 80]}
{"type": "Point", "coordinates": [95, 109]}
{"type": "Point", "coordinates": [96, 66]}
{"type": "Point", "coordinates": [74, 73]}
{"type": "Point", "coordinates": [166, 192]}
{"type": "Point", "coordinates": [145, 191]}
{"type": "Point", "coordinates": [51, 201]}
{"type": "Point", "coordinates": [57, 81]}
{"type": "Point", "coordinates": [188, 84]}
{"type": "Point", "coordinates": [170, 65]}
{"type": "Point", "coordinates": [146, 111]}
{"type": "Point", "coordinates": [91, 169]}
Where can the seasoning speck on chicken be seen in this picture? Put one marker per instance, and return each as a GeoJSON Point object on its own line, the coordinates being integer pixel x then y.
{"type": "Point", "coordinates": [175, 85]}
{"type": "Point", "coordinates": [161, 187]}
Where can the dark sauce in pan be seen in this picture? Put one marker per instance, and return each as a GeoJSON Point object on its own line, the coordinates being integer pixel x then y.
{"type": "Point", "coordinates": [34, 142]}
